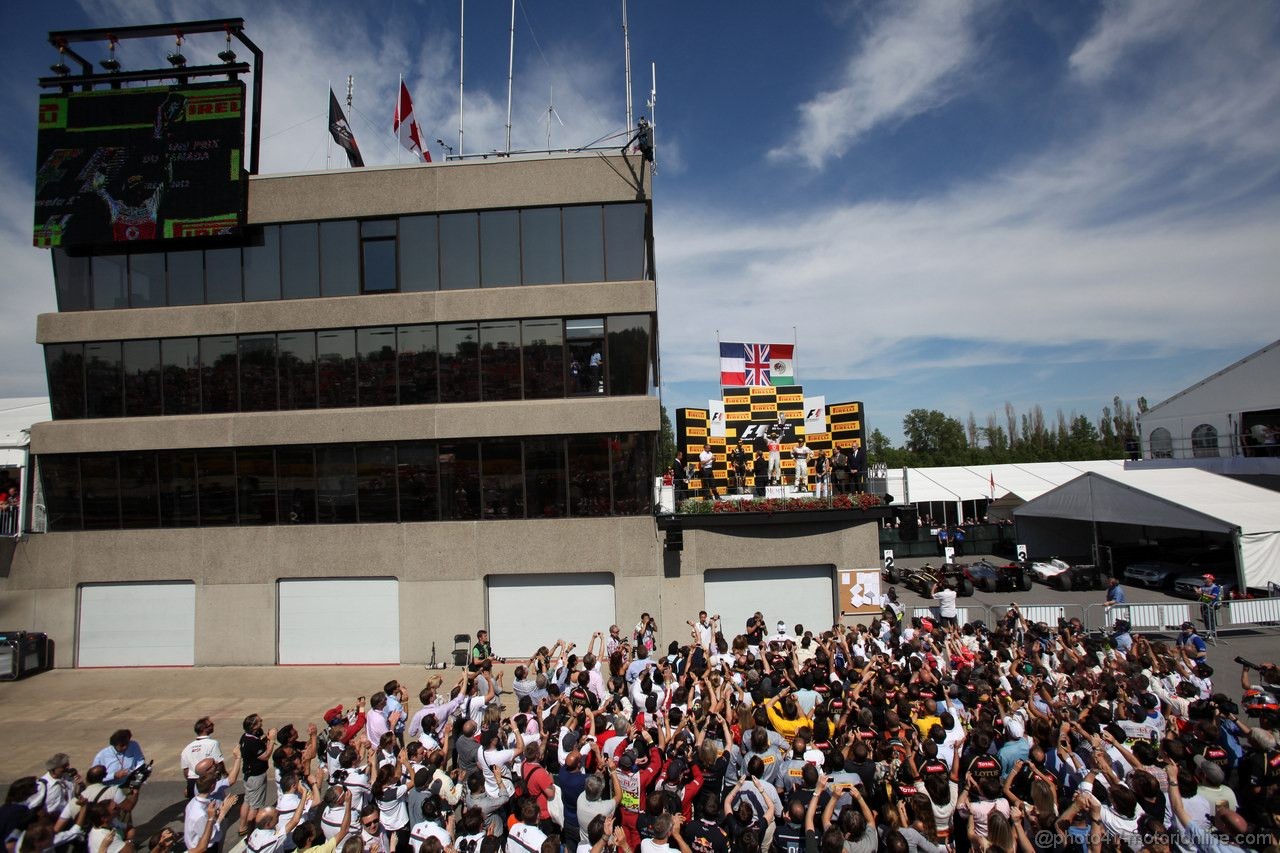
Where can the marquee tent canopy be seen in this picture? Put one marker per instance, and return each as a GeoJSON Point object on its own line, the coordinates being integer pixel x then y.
{"type": "Point", "coordinates": [971, 483]}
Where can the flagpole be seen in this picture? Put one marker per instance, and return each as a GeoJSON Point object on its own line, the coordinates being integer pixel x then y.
{"type": "Point", "coordinates": [462, 40]}
{"type": "Point", "coordinates": [795, 340]}
{"type": "Point", "coordinates": [328, 148]}
{"type": "Point", "coordinates": [626, 50]}
{"type": "Point", "coordinates": [398, 117]}
{"type": "Point", "coordinates": [511, 64]}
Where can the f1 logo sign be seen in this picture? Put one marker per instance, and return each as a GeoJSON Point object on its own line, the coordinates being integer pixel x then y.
{"type": "Point", "coordinates": [1022, 553]}
{"type": "Point", "coordinates": [888, 559]}
{"type": "Point", "coordinates": [949, 553]}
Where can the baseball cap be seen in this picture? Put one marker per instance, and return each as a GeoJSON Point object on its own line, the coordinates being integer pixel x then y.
{"type": "Point", "coordinates": [1014, 728]}
{"type": "Point", "coordinates": [1211, 772]}
{"type": "Point", "coordinates": [333, 715]}
{"type": "Point", "coordinates": [1209, 577]}
{"type": "Point", "coordinates": [1187, 625]}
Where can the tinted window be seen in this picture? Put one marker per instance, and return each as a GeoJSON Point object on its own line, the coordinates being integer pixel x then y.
{"type": "Point", "coordinates": [629, 354]}
{"type": "Point", "coordinates": [632, 475]}
{"type": "Point", "coordinates": [585, 339]}
{"type": "Point", "coordinates": [459, 251]}
{"type": "Point", "coordinates": [100, 489]}
{"type": "Point", "coordinates": [339, 258]}
{"type": "Point", "coordinates": [377, 368]}
{"type": "Point", "coordinates": [500, 360]}
{"type": "Point", "coordinates": [540, 246]}
{"type": "Point", "coordinates": [296, 482]}
{"type": "Point", "coordinates": [544, 477]}
{"type": "Point", "coordinates": [66, 379]}
{"type": "Point", "coordinates": [417, 374]}
{"type": "Point", "coordinates": [336, 485]}
{"type": "Point", "coordinates": [181, 378]}
{"type": "Point", "coordinates": [262, 265]}
{"type": "Point", "coordinates": [588, 475]}
{"type": "Point", "coordinates": [186, 278]}
{"type": "Point", "coordinates": [419, 482]}
{"type": "Point", "coordinates": [336, 357]}
{"type": "Point", "coordinates": [109, 281]}
{"type": "Point", "coordinates": [142, 378]}
{"type": "Point", "coordinates": [543, 358]}
{"type": "Point", "coordinates": [624, 241]}
{"type": "Point", "coordinates": [460, 480]}
{"type": "Point", "coordinates": [218, 374]}
{"type": "Point", "coordinates": [104, 380]}
{"type": "Point", "coordinates": [500, 248]}
{"type": "Point", "coordinates": [177, 488]}
{"type": "Point", "coordinates": [297, 370]}
{"type": "Point", "coordinates": [139, 491]}
{"type": "Point", "coordinates": [459, 363]}
{"type": "Point", "coordinates": [222, 271]}
{"type": "Point", "coordinates": [71, 280]}
{"type": "Point", "coordinates": [419, 254]}
{"type": "Point", "coordinates": [502, 480]}
{"type": "Point", "coordinates": [583, 244]}
{"type": "Point", "coordinates": [376, 483]}
{"type": "Point", "coordinates": [216, 480]}
{"type": "Point", "coordinates": [61, 478]}
{"type": "Point", "coordinates": [146, 280]}
{"type": "Point", "coordinates": [300, 260]}
{"type": "Point", "coordinates": [258, 373]}
{"type": "Point", "coordinates": [379, 265]}
{"type": "Point", "coordinates": [256, 483]}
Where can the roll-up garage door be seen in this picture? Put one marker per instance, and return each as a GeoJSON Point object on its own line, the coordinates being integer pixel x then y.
{"type": "Point", "coordinates": [802, 595]}
{"type": "Point", "coordinates": [144, 624]}
{"type": "Point", "coordinates": [528, 611]}
{"type": "Point", "coordinates": [339, 621]}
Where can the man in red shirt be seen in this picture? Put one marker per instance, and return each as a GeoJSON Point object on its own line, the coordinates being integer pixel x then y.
{"type": "Point", "coordinates": [636, 775]}
{"type": "Point", "coordinates": [539, 785]}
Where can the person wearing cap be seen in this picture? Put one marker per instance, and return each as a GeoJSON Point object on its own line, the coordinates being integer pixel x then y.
{"type": "Point", "coordinates": [1210, 599]}
{"type": "Point", "coordinates": [1210, 778]}
{"type": "Point", "coordinates": [1191, 643]}
{"type": "Point", "coordinates": [636, 773]}
{"type": "Point", "coordinates": [1017, 745]}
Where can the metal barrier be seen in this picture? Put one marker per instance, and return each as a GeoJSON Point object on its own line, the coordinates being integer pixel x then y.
{"type": "Point", "coordinates": [1142, 616]}
{"type": "Point", "coordinates": [1047, 613]}
{"type": "Point", "coordinates": [962, 613]}
{"type": "Point", "coordinates": [9, 521]}
{"type": "Point", "coordinates": [1251, 612]}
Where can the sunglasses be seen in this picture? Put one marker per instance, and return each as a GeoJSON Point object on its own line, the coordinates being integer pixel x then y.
{"type": "Point", "coordinates": [371, 824]}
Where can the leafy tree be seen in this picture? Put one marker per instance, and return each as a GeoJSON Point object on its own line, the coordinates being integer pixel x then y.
{"type": "Point", "coordinates": [933, 436]}
{"type": "Point", "coordinates": [666, 445]}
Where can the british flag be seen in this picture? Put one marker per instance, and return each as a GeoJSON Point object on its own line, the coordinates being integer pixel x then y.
{"type": "Point", "coordinates": [757, 364]}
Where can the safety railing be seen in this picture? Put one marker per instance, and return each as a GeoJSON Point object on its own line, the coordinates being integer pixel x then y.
{"type": "Point", "coordinates": [1141, 616]}
{"type": "Point", "coordinates": [1251, 612]}
{"type": "Point", "coordinates": [9, 521]}
{"type": "Point", "coordinates": [962, 613]}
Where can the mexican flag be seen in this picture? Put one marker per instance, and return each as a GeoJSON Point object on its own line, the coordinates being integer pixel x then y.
{"type": "Point", "coordinates": [782, 370]}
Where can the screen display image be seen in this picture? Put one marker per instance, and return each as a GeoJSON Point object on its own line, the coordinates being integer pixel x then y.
{"type": "Point", "coordinates": [126, 165]}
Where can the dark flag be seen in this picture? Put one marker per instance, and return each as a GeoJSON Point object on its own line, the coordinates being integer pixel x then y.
{"type": "Point", "coordinates": [341, 131]}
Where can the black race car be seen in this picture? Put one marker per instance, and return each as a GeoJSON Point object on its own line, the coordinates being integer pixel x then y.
{"type": "Point", "coordinates": [922, 579]}
{"type": "Point", "coordinates": [998, 577]}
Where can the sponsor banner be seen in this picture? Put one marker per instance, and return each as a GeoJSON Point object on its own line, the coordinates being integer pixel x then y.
{"type": "Point", "coordinates": [815, 415]}
{"type": "Point", "coordinates": [818, 437]}
{"type": "Point", "coordinates": [791, 398]}
{"type": "Point", "coordinates": [738, 400]}
{"type": "Point", "coordinates": [716, 410]}
{"type": "Point", "coordinates": [846, 409]}
{"type": "Point", "coordinates": [763, 407]}
{"type": "Point", "coordinates": [737, 416]}
{"type": "Point", "coordinates": [695, 414]}
{"type": "Point", "coordinates": [696, 432]}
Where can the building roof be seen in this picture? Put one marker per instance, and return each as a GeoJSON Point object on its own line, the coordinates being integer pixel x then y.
{"type": "Point", "coordinates": [1212, 377]}
{"type": "Point", "coordinates": [17, 414]}
{"type": "Point", "coordinates": [973, 482]}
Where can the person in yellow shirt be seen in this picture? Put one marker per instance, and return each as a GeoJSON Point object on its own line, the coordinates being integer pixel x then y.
{"type": "Point", "coordinates": [927, 717]}
{"type": "Point", "coordinates": [785, 715]}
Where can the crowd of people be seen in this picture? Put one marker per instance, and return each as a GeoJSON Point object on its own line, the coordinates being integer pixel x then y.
{"type": "Point", "coordinates": [896, 734]}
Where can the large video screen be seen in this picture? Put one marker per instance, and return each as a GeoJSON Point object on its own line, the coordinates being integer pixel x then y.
{"type": "Point", "coordinates": [127, 165]}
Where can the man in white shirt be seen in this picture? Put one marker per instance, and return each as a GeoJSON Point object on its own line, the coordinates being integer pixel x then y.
{"type": "Point", "coordinates": [801, 457]}
{"type": "Point", "coordinates": [494, 762]}
{"type": "Point", "coordinates": [666, 828]}
{"type": "Point", "coordinates": [704, 630]}
{"type": "Point", "coordinates": [946, 598]}
{"type": "Point", "coordinates": [209, 789]}
{"type": "Point", "coordinates": [525, 836]}
{"type": "Point", "coordinates": [56, 787]}
{"type": "Point", "coordinates": [204, 746]}
{"type": "Point", "coordinates": [707, 473]}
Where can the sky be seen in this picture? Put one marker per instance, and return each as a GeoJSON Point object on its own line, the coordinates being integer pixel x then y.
{"type": "Point", "coordinates": [948, 204]}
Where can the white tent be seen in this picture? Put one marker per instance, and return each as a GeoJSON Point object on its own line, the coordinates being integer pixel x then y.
{"type": "Point", "coordinates": [1179, 499]}
{"type": "Point", "coordinates": [17, 414]}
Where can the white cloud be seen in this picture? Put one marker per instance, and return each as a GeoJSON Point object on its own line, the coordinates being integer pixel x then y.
{"type": "Point", "coordinates": [1123, 26]}
{"type": "Point", "coordinates": [911, 61]}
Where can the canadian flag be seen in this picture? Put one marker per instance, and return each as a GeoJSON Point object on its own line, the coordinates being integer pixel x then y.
{"type": "Point", "coordinates": [406, 128]}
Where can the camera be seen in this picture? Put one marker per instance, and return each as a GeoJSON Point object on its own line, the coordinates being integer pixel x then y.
{"type": "Point", "coordinates": [1247, 664]}
{"type": "Point", "coordinates": [137, 776]}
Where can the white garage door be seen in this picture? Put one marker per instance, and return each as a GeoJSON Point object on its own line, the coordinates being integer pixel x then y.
{"type": "Point", "coordinates": [145, 624]}
{"type": "Point", "coordinates": [802, 595]}
{"type": "Point", "coordinates": [528, 611]}
{"type": "Point", "coordinates": [340, 621]}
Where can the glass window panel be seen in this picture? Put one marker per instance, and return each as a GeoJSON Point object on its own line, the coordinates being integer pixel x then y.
{"type": "Point", "coordinates": [459, 363]}
{"type": "Point", "coordinates": [297, 370]}
{"type": "Point", "coordinates": [500, 360]}
{"type": "Point", "coordinates": [103, 380]}
{"type": "Point", "coordinates": [588, 475]}
{"type": "Point", "coordinates": [262, 265]}
{"type": "Point", "coordinates": [177, 488]}
{"type": "Point", "coordinates": [543, 358]}
{"type": "Point", "coordinates": [378, 228]}
{"type": "Point", "coordinates": [500, 248]}
{"type": "Point", "coordinates": [628, 354]}
{"type": "Point", "coordinates": [540, 245]}
{"type": "Point", "coordinates": [216, 480]}
{"type": "Point", "coordinates": [417, 347]}
{"type": "Point", "coordinates": [60, 476]}
{"type": "Point", "coordinates": [71, 281]}
{"type": "Point", "coordinates": [186, 278]}
{"type": "Point", "coordinates": [181, 377]}
{"type": "Point", "coordinates": [545, 486]}
{"type": "Point", "coordinates": [300, 260]}
{"type": "Point", "coordinates": [460, 480]}
{"type": "Point", "coordinates": [632, 457]}
{"type": "Point", "coordinates": [377, 367]}
{"type": "Point", "coordinates": [256, 483]}
{"type": "Point", "coordinates": [419, 254]}
{"type": "Point", "coordinates": [586, 355]}
{"type": "Point", "coordinates": [258, 373]}
{"type": "Point", "coordinates": [459, 251]}
{"type": "Point", "coordinates": [296, 480]}
{"type": "Point", "coordinates": [65, 364]}
{"type": "Point", "coordinates": [139, 491]}
{"type": "Point", "coordinates": [336, 357]}
{"type": "Point", "coordinates": [100, 487]}
{"type": "Point", "coordinates": [336, 484]}
{"type": "Point", "coordinates": [218, 374]}
{"type": "Point", "coordinates": [109, 272]}
{"type": "Point", "coordinates": [146, 280]}
{"type": "Point", "coordinates": [222, 276]}
{"type": "Point", "coordinates": [419, 481]}
{"type": "Point", "coordinates": [339, 258]}
{"type": "Point", "coordinates": [142, 378]}
{"type": "Point", "coordinates": [376, 483]}
{"type": "Point", "coordinates": [502, 480]}
{"type": "Point", "coordinates": [583, 243]}
{"type": "Point", "coordinates": [379, 261]}
{"type": "Point", "coordinates": [624, 241]}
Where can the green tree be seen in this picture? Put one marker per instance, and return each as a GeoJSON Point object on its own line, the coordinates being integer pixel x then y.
{"type": "Point", "coordinates": [933, 438]}
{"type": "Point", "coordinates": [666, 445]}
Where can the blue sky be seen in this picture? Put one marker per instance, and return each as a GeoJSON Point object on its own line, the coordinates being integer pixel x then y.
{"type": "Point", "coordinates": [956, 203]}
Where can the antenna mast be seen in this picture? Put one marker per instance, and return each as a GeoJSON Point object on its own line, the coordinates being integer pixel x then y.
{"type": "Point", "coordinates": [350, 86]}
{"type": "Point", "coordinates": [551, 111]}
{"type": "Point", "coordinates": [511, 64]}
{"type": "Point", "coordinates": [653, 112]}
{"type": "Point", "coordinates": [626, 50]}
{"type": "Point", "coordinates": [462, 27]}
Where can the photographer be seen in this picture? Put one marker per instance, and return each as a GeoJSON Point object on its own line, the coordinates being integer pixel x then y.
{"type": "Point", "coordinates": [120, 757]}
